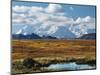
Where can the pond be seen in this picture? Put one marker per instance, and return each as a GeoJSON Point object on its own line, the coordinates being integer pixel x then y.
{"type": "Point", "coordinates": [68, 66]}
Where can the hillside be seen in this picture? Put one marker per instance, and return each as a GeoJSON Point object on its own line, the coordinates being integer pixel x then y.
{"type": "Point", "coordinates": [88, 36]}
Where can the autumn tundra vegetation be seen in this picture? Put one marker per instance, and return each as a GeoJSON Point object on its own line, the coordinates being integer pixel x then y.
{"type": "Point", "coordinates": [31, 56]}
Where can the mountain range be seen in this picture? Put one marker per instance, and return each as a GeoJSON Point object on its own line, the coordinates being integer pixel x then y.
{"type": "Point", "coordinates": [88, 36]}
{"type": "Point", "coordinates": [31, 36]}
{"type": "Point", "coordinates": [60, 32]}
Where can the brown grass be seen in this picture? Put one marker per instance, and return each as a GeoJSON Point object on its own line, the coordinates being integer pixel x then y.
{"type": "Point", "coordinates": [48, 52]}
{"type": "Point", "coordinates": [53, 49]}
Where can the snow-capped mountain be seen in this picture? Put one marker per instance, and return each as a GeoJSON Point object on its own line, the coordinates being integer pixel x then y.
{"type": "Point", "coordinates": [81, 29]}
{"type": "Point", "coordinates": [52, 20]}
{"type": "Point", "coordinates": [71, 31]}
{"type": "Point", "coordinates": [63, 32]}
{"type": "Point", "coordinates": [22, 29]}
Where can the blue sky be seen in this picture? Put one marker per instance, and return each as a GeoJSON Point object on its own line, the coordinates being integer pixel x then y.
{"type": "Point", "coordinates": [70, 10]}
{"type": "Point", "coordinates": [47, 18]}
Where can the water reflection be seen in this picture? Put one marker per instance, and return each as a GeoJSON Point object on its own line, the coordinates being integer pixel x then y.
{"type": "Point", "coordinates": [69, 66]}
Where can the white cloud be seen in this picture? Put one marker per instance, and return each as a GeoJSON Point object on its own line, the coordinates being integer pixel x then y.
{"type": "Point", "coordinates": [47, 20]}
{"type": "Point", "coordinates": [54, 8]}
{"type": "Point", "coordinates": [24, 9]}
{"type": "Point", "coordinates": [36, 14]}
{"type": "Point", "coordinates": [36, 9]}
{"type": "Point", "coordinates": [23, 19]}
{"type": "Point", "coordinates": [20, 8]}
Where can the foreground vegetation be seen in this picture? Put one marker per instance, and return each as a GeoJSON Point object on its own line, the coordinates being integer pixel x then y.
{"type": "Point", "coordinates": [30, 56]}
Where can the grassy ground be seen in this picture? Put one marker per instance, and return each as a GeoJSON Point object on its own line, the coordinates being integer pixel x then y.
{"type": "Point", "coordinates": [54, 51]}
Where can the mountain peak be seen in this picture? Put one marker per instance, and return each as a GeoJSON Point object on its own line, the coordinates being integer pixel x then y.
{"type": "Point", "coordinates": [72, 31]}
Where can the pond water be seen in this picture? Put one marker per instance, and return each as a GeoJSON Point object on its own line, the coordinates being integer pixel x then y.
{"type": "Point", "coordinates": [69, 66]}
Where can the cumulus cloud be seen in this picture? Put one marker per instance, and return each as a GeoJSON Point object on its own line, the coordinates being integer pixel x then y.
{"type": "Point", "coordinates": [54, 8]}
{"type": "Point", "coordinates": [24, 9]}
{"type": "Point", "coordinates": [20, 8]}
{"type": "Point", "coordinates": [48, 19]}
{"type": "Point", "coordinates": [40, 14]}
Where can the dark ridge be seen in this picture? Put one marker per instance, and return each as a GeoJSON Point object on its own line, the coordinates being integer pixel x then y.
{"type": "Point", "coordinates": [90, 36]}
{"type": "Point", "coordinates": [31, 36]}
